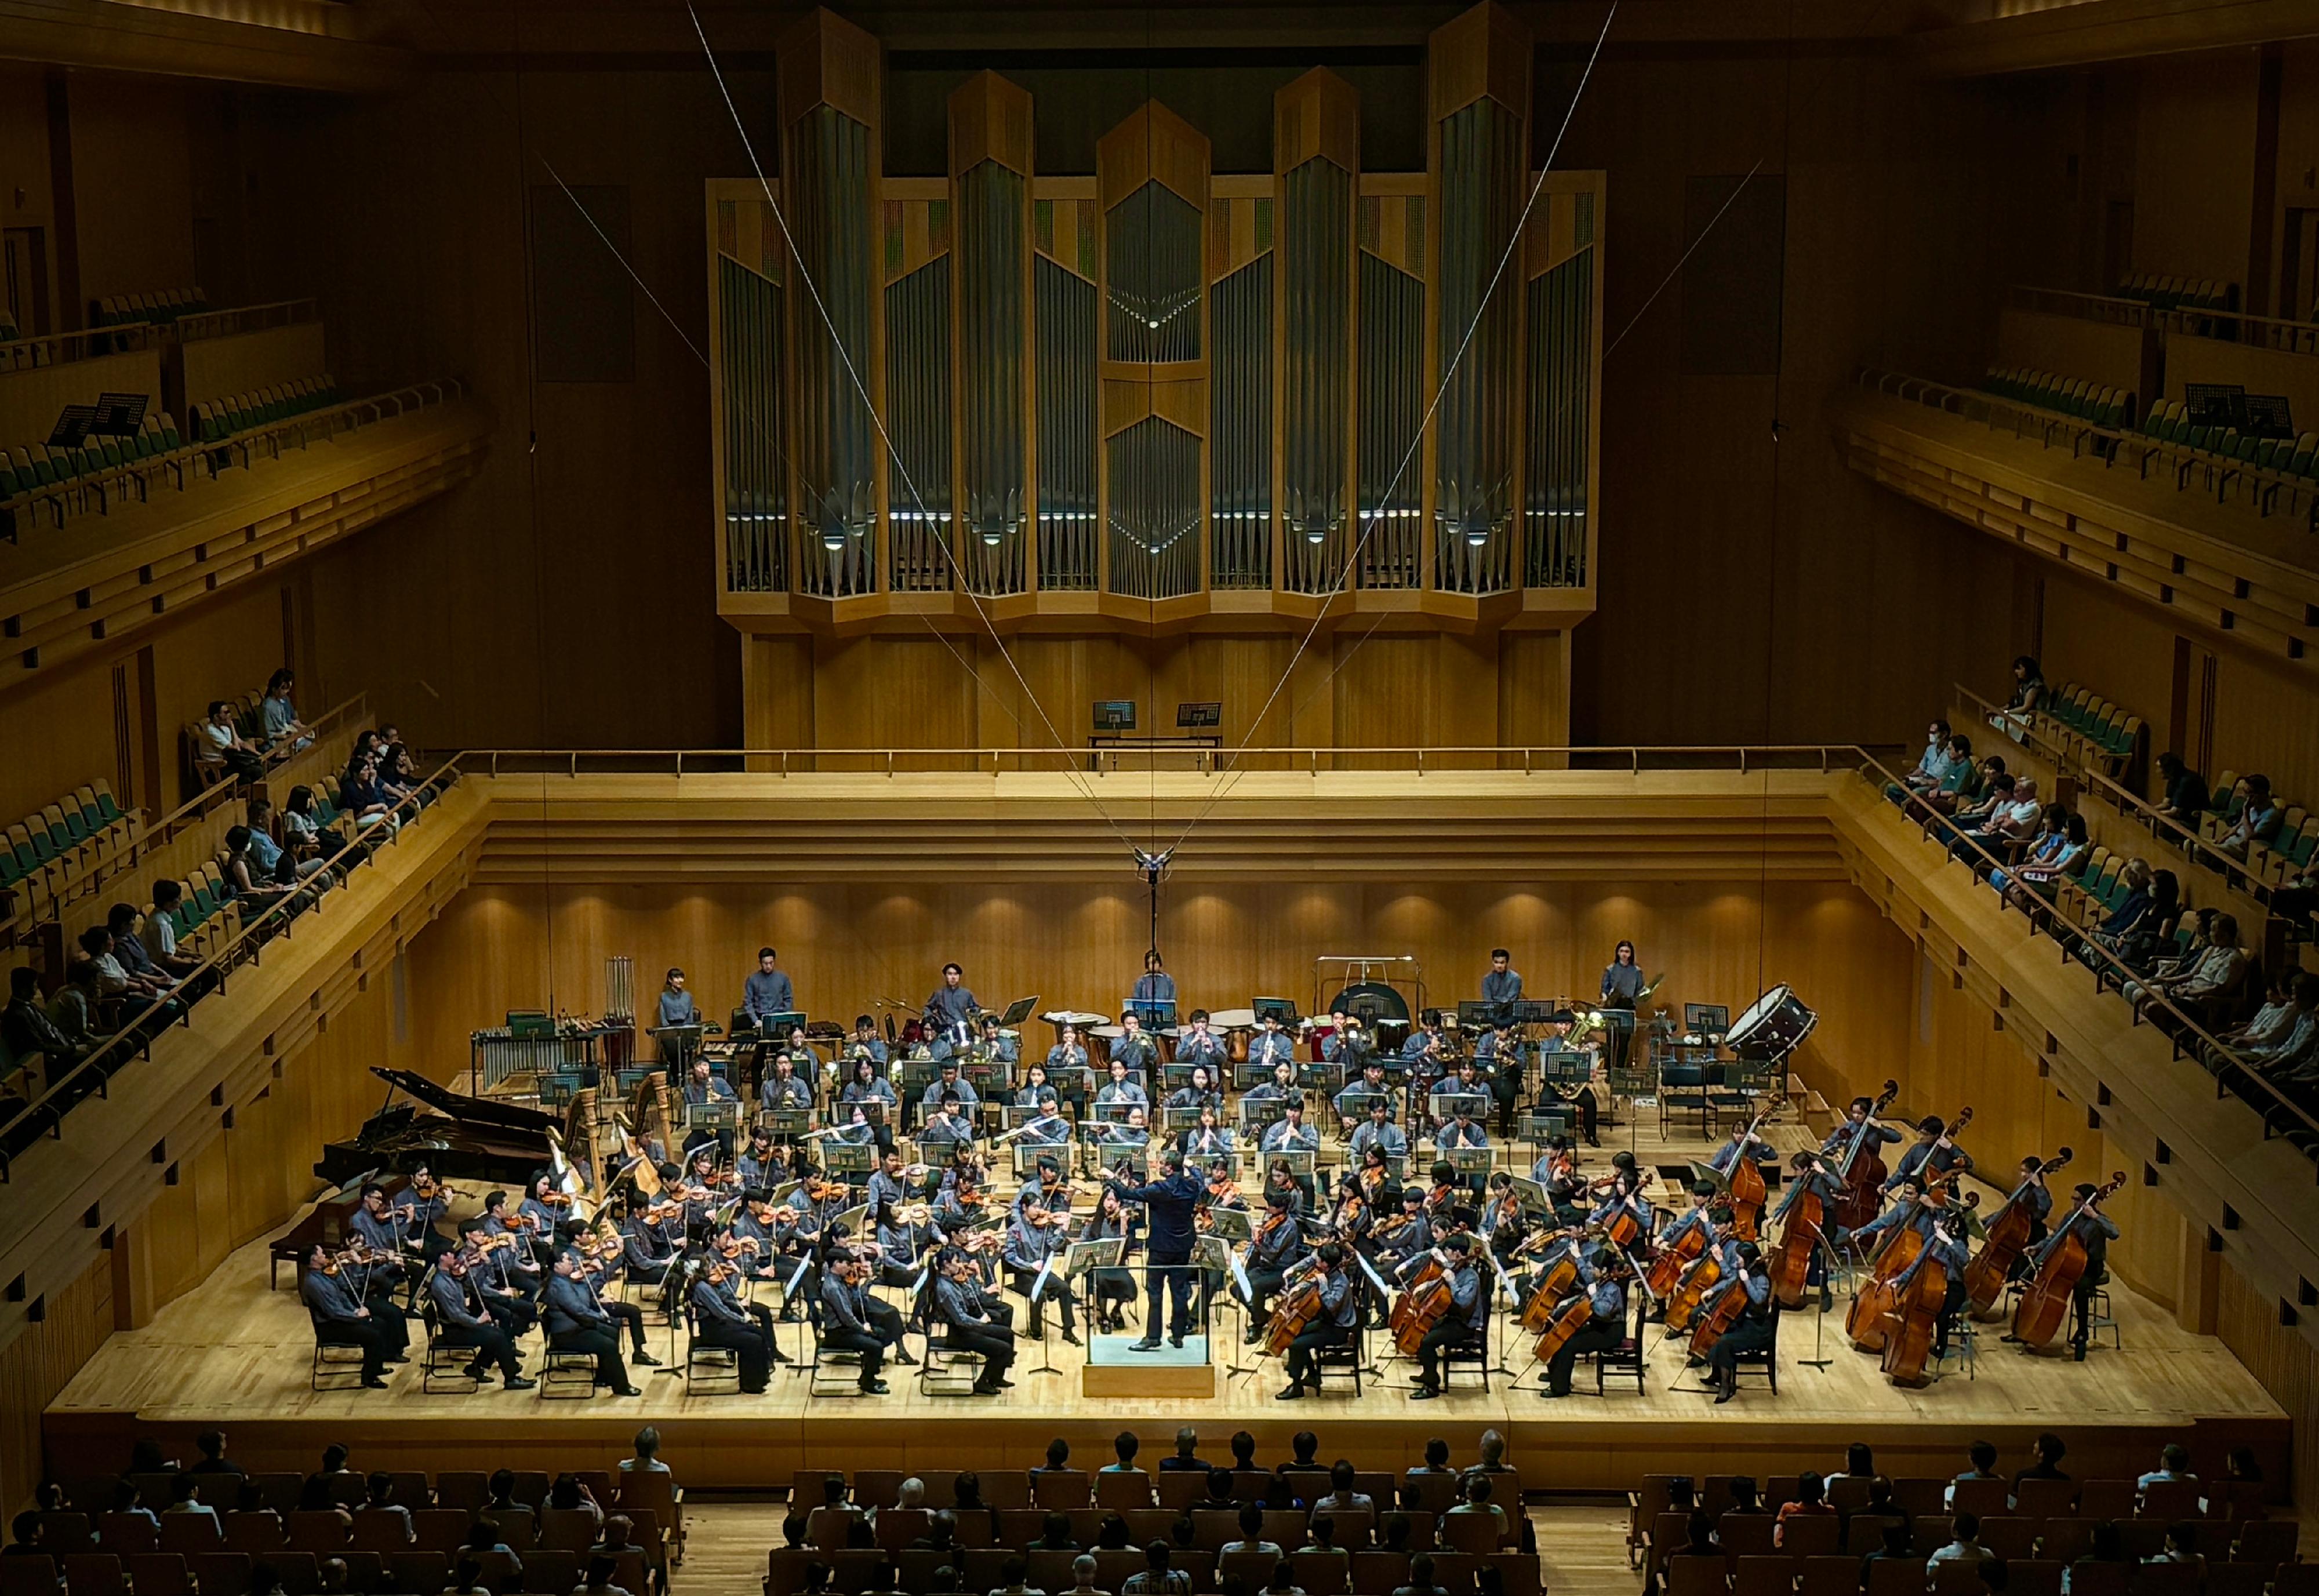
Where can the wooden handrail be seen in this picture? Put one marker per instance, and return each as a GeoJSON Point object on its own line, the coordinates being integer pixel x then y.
{"type": "Point", "coordinates": [418, 395]}
{"type": "Point", "coordinates": [2107, 963]}
{"type": "Point", "coordinates": [2278, 333]}
{"type": "Point", "coordinates": [24, 354]}
{"type": "Point", "coordinates": [214, 324]}
{"type": "Point", "coordinates": [249, 939]}
{"type": "Point", "coordinates": [1745, 759]}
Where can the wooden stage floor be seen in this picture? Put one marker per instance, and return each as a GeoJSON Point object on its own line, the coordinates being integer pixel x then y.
{"type": "Point", "coordinates": [234, 1354]}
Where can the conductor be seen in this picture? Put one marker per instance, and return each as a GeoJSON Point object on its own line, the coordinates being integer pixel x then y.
{"type": "Point", "coordinates": [1169, 1204]}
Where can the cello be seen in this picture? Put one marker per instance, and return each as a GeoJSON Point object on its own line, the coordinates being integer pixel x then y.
{"type": "Point", "coordinates": [1551, 1285]}
{"type": "Point", "coordinates": [1668, 1266]}
{"type": "Point", "coordinates": [1916, 1319]}
{"type": "Point", "coordinates": [1424, 1302]}
{"type": "Point", "coordinates": [1719, 1316]}
{"type": "Point", "coordinates": [2044, 1306]}
{"type": "Point", "coordinates": [1298, 1308]}
{"type": "Point", "coordinates": [1861, 1171]}
{"type": "Point", "coordinates": [1703, 1277]}
{"type": "Point", "coordinates": [2009, 1234]}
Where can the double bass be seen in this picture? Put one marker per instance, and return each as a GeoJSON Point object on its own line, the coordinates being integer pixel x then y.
{"type": "Point", "coordinates": [1861, 1171]}
{"type": "Point", "coordinates": [2009, 1234]}
{"type": "Point", "coordinates": [1800, 1238]}
{"type": "Point", "coordinates": [1868, 1320]}
{"type": "Point", "coordinates": [1746, 1187]}
{"type": "Point", "coordinates": [2044, 1306]}
{"type": "Point", "coordinates": [1916, 1319]}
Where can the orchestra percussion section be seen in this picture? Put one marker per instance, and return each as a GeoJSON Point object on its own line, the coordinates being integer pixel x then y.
{"type": "Point", "coordinates": [1555, 755]}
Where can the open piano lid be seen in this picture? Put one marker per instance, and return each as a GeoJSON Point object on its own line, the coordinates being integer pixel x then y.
{"type": "Point", "coordinates": [487, 1111]}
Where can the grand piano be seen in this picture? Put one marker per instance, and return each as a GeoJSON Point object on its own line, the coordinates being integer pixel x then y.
{"type": "Point", "coordinates": [460, 1138]}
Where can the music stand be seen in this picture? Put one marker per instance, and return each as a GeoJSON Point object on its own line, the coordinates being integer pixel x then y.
{"type": "Point", "coordinates": [786, 1124]}
{"type": "Point", "coordinates": [1384, 1292]}
{"type": "Point", "coordinates": [1176, 1120]}
{"type": "Point", "coordinates": [1543, 1123]}
{"type": "Point", "coordinates": [847, 1157]}
{"type": "Point", "coordinates": [676, 1045]}
{"type": "Point", "coordinates": [1232, 1224]}
{"type": "Point", "coordinates": [1258, 1114]}
{"type": "Point", "coordinates": [1281, 1007]}
{"type": "Point", "coordinates": [1444, 1105]}
{"type": "Point", "coordinates": [1472, 1163]}
{"type": "Point", "coordinates": [1038, 1285]}
{"type": "Point", "coordinates": [1155, 1013]}
{"type": "Point", "coordinates": [1531, 1194]}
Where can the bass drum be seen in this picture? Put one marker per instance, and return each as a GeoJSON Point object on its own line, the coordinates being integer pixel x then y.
{"type": "Point", "coordinates": [1383, 1010]}
{"type": "Point", "coordinates": [1772, 1027]}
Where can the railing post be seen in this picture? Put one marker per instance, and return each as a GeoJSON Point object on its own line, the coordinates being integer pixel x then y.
{"type": "Point", "coordinates": [679, 764]}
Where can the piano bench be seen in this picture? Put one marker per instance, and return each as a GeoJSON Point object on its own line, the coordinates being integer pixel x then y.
{"type": "Point", "coordinates": [568, 1376]}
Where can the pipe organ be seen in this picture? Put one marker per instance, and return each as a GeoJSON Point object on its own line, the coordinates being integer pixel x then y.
{"type": "Point", "coordinates": [1157, 395]}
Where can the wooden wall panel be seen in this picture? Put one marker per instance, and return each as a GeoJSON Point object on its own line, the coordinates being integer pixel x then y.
{"type": "Point", "coordinates": [1080, 945]}
{"type": "Point", "coordinates": [57, 735]}
{"type": "Point", "coordinates": [33, 1368]}
{"type": "Point", "coordinates": [220, 369]}
{"type": "Point", "coordinates": [2267, 721]}
{"type": "Point", "coordinates": [2120, 356]}
{"type": "Point", "coordinates": [2194, 171]}
{"type": "Point", "coordinates": [2248, 1323]}
{"type": "Point", "coordinates": [232, 651]}
{"type": "Point", "coordinates": [2122, 652]}
{"type": "Point", "coordinates": [133, 174]}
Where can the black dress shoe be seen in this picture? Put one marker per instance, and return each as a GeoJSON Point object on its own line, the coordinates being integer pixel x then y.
{"type": "Point", "coordinates": [777, 1356]}
{"type": "Point", "coordinates": [644, 1360]}
{"type": "Point", "coordinates": [1176, 1342]}
{"type": "Point", "coordinates": [984, 1388]}
{"type": "Point", "coordinates": [1294, 1394]}
{"type": "Point", "coordinates": [372, 1385]}
{"type": "Point", "coordinates": [1551, 1395]}
{"type": "Point", "coordinates": [1071, 1339]}
{"type": "Point", "coordinates": [518, 1382]}
{"type": "Point", "coordinates": [875, 1388]}
{"type": "Point", "coordinates": [1148, 1344]}
{"type": "Point", "coordinates": [627, 1390]}
{"type": "Point", "coordinates": [1423, 1393]}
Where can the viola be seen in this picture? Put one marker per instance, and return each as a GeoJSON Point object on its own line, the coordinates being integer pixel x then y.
{"type": "Point", "coordinates": [2009, 1234]}
{"type": "Point", "coordinates": [2045, 1307]}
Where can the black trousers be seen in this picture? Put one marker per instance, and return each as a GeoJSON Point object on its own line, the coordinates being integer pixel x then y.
{"type": "Point", "coordinates": [515, 1316]}
{"type": "Point", "coordinates": [604, 1346]}
{"type": "Point", "coordinates": [1304, 1367]}
{"type": "Point", "coordinates": [1450, 1332]}
{"type": "Point", "coordinates": [748, 1341]}
{"type": "Point", "coordinates": [1598, 1337]}
{"type": "Point", "coordinates": [355, 1332]}
{"type": "Point", "coordinates": [1172, 1272]}
{"type": "Point", "coordinates": [1058, 1290]}
{"type": "Point", "coordinates": [868, 1343]}
{"type": "Point", "coordinates": [885, 1320]}
{"type": "Point", "coordinates": [1749, 1335]}
{"type": "Point", "coordinates": [2081, 1304]}
{"type": "Point", "coordinates": [393, 1324]}
{"type": "Point", "coordinates": [1262, 1284]}
{"type": "Point", "coordinates": [994, 1342]}
{"type": "Point", "coordinates": [491, 1345]}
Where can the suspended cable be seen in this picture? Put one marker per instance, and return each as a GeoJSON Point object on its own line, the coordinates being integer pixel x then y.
{"type": "Point", "coordinates": [1449, 371]}
{"type": "Point", "coordinates": [845, 358]}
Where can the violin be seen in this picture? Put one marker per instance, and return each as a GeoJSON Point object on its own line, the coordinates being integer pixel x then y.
{"type": "Point", "coordinates": [2009, 1234]}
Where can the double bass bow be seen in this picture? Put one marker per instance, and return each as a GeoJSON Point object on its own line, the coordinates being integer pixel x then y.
{"type": "Point", "coordinates": [2008, 1235]}
{"type": "Point", "coordinates": [2044, 1306]}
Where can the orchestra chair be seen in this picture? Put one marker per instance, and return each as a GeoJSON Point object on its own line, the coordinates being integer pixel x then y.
{"type": "Point", "coordinates": [1965, 1347]}
{"type": "Point", "coordinates": [1683, 1088]}
{"type": "Point", "coordinates": [944, 1370]}
{"type": "Point", "coordinates": [1763, 1576]}
{"type": "Point", "coordinates": [337, 1365]}
{"type": "Point", "coordinates": [1352, 1356]}
{"type": "Point", "coordinates": [831, 1371]}
{"type": "Point", "coordinates": [1765, 1360]}
{"type": "Point", "coordinates": [1627, 1357]}
{"type": "Point", "coordinates": [2036, 1576]}
{"type": "Point", "coordinates": [1474, 1350]}
{"type": "Point", "coordinates": [569, 1376]}
{"type": "Point", "coordinates": [1474, 1533]}
{"type": "Point", "coordinates": [709, 1371]}
{"type": "Point", "coordinates": [443, 1368]}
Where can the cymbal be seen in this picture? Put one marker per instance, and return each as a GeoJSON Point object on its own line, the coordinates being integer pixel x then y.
{"type": "Point", "coordinates": [1232, 1019]}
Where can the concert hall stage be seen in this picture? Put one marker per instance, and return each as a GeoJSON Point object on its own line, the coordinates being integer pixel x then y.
{"type": "Point", "coordinates": [234, 1353]}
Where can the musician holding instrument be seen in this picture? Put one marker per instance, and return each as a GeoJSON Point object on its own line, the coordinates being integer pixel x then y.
{"type": "Point", "coordinates": [1347, 1044]}
{"type": "Point", "coordinates": [1272, 1047]}
{"type": "Point", "coordinates": [762, 1165]}
{"type": "Point", "coordinates": [1461, 1323]}
{"type": "Point", "coordinates": [786, 1091]}
{"type": "Point", "coordinates": [1726, 1157]}
{"type": "Point", "coordinates": [1606, 1325]}
{"type": "Point", "coordinates": [1460, 1132]}
{"type": "Point", "coordinates": [1499, 1065]}
{"type": "Point", "coordinates": [576, 1322]}
{"type": "Point", "coordinates": [1421, 1052]}
{"type": "Point", "coordinates": [1209, 1139]}
{"type": "Point", "coordinates": [333, 1295]}
{"type": "Point", "coordinates": [1155, 985]}
{"type": "Point", "coordinates": [718, 1320]}
{"type": "Point", "coordinates": [1202, 1046]}
{"type": "Point", "coordinates": [1069, 1056]}
{"type": "Point", "coordinates": [1379, 1131]}
{"type": "Point", "coordinates": [1123, 1089]}
{"type": "Point", "coordinates": [1111, 1286]}
{"type": "Point", "coordinates": [461, 1320]}
{"type": "Point", "coordinates": [424, 1204]}
{"type": "Point", "coordinates": [950, 1010]}
{"type": "Point", "coordinates": [906, 1235]}
{"type": "Point", "coordinates": [1276, 1246]}
{"type": "Point", "coordinates": [1135, 1050]}
{"type": "Point", "coordinates": [1279, 1087]}
{"type": "Point", "coordinates": [1036, 1237]}
{"type": "Point", "coordinates": [1944, 1247]}
{"type": "Point", "coordinates": [1200, 1090]}
{"type": "Point", "coordinates": [1340, 1311]}
{"type": "Point", "coordinates": [949, 1127]}
{"type": "Point", "coordinates": [1751, 1331]}
{"type": "Point", "coordinates": [2093, 1230]}
{"type": "Point", "coordinates": [865, 1042]}
{"type": "Point", "coordinates": [974, 1321]}
{"type": "Point", "coordinates": [379, 1226]}
{"type": "Point", "coordinates": [652, 1244]}
{"type": "Point", "coordinates": [846, 1321]}
{"type": "Point", "coordinates": [1289, 1133]}
{"type": "Point", "coordinates": [1047, 1127]}
{"type": "Point", "coordinates": [1933, 1153]}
